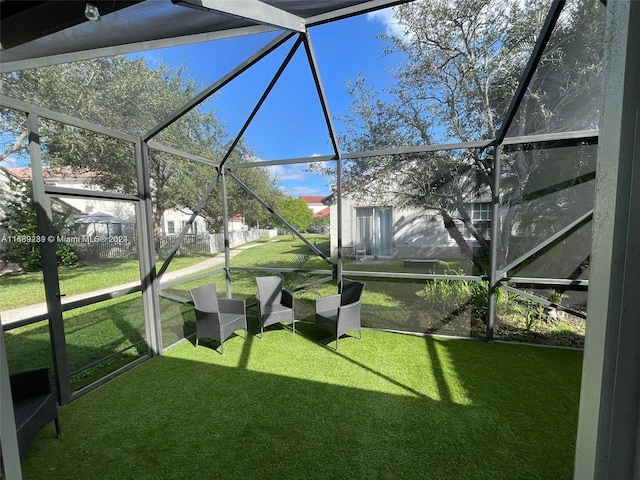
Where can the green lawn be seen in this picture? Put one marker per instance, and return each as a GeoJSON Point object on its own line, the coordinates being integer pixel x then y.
{"type": "Point", "coordinates": [92, 332]}
{"type": "Point", "coordinates": [106, 328]}
{"type": "Point", "coordinates": [389, 406]}
{"type": "Point", "coordinates": [388, 303]}
{"type": "Point", "coordinates": [28, 288]}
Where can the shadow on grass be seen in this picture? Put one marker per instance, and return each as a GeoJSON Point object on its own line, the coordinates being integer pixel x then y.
{"type": "Point", "coordinates": [92, 333]}
{"type": "Point", "coordinates": [284, 408]}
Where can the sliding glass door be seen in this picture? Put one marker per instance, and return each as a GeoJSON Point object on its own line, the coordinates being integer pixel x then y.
{"type": "Point", "coordinates": [374, 231]}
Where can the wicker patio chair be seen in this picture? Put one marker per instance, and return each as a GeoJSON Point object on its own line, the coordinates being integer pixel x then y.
{"type": "Point", "coordinates": [276, 304]}
{"type": "Point", "coordinates": [34, 405]}
{"type": "Point", "coordinates": [217, 318]}
{"type": "Point", "coordinates": [340, 314]}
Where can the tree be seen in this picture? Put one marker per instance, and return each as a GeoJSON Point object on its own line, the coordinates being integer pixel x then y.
{"type": "Point", "coordinates": [296, 212]}
{"type": "Point", "coordinates": [263, 185]}
{"type": "Point", "coordinates": [129, 96]}
{"type": "Point", "coordinates": [319, 224]}
{"type": "Point", "coordinates": [239, 202]}
{"type": "Point", "coordinates": [462, 61]}
{"type": "Point", "coordinates": [123, 94]}
{"type": "Point", "coordinates": [18, 228]}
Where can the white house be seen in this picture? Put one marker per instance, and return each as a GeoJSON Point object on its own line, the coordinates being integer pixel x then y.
{"type": "Point", "coordinates": [69, 178]}
{"type": "Point", "coordinates": [376, 229]}
{"type": "Point", "coordinates": [173, 220]}
{"type": "Point", "coordinates": [314, 202]}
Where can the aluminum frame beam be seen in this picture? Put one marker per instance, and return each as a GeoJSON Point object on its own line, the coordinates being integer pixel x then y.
{"type": "Point", "coordinates": [10, 468]}
{"type": "Point", "coordinates": [324, 103]}
{"type": "Point", "coordinates": [544, 301]}
{"type": "Point", "coordinates": [572, 284]}
{"type": "Point", "coordinates": [67, 119]}
{"type": "Point", "coordinates": [530, 69]}
{"type": "Point", "coordinates": [590, 136]}
{"type": "Point", "coordinates": [289, 161]}
{"type": "Point", "coordinates": [183, 233]}
{"type": "Point", "coordinates": [608, 439]}
{"type": "Point", "coordinates": [352, 11]}
{"type": "Point", "coordinates": [108, 377]}
{"type": "Point", "coordinates": [273, 212]}
{"type": "Point", "coordinates": [495, 242]}
{"type": "Point", "coordinates": [251, 10]}
{"type": "Point", "coordinates": [54, 191]}
{"type": "Point", "coordinates": [179, 153]}
{"type": "Point", "coordinates": [129, 48]}
{"type": "Point", "coordinates": [415, 276]}
{"type": "Point", "coordinates": [262, 99]}
{"type": "Point", "coordinates": [225, 230]}
{"type": "Point", "coordinates": [147, 252]}
{"type": "Point", "coordinates": [44, 219]}
{"type": "Point", "coordinates": [579, 222]}
{"type": "Point", "coordinates": [205, 94]}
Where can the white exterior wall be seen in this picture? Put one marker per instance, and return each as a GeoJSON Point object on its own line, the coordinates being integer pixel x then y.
{"type": "Point", "coordinates": [177, 217]}
{"type": "Point", "coordinates": [417, 234]}
{"type": "Point", "coordinates": [348, 227]}
{"type": "Point", "coordinates": [421, 234]}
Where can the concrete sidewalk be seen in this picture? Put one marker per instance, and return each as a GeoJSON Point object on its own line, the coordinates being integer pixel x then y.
{"type": "Point", "coordinates": [38, 311]}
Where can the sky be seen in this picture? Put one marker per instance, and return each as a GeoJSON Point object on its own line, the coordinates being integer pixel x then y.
{"type": "Point", "coordinates": [290, 124]}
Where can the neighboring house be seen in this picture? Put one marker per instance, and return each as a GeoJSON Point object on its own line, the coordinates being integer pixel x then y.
{"type": "Point", "coordinates": [64, 215]}
{"type": "Point", "coordinates": [236, 223]}
{"type": "Point", "coordinates": [4, 190]}
{"type": "Point", "coordinates": [379, 230]}
{"type": "Point", "coordinates": [325, 212]}
{"type": "Point", "coordinates": [70, 178]}
{"type": "Point", "coordinates": [65, 207]}
{"type": "Point", "coordinates": [172, 222]}
{"type": "Point", "coordinates": [314, 202]}
{"type": "Point", "coordinates": [321, 213]}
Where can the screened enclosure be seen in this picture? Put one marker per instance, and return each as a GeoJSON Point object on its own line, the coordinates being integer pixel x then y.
{"type": "Point", "coordinates": [475, 227]}
{"type": "Point", "coordinates": [461, 193]}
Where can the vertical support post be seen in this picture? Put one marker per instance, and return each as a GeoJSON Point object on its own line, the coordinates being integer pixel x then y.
{"type": "Point", "coordinates": [225, 229]}
{"type": "Point", "coordinates": [147, 252]}
{"type": "Point", "coordinates": [608, 441]}
{"type": "Point", "coordinates": [10, 466]}
{"type": "Point", "coordinates": [495, 243]}
{"type": "Point", "coordinates": [339, 212]}
{"type": "Point", "coordinates": [44, 220]}
{"type": "Point", "coordinates": [315, 71]}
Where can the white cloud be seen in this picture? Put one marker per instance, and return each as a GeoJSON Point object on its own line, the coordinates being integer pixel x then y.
{"type": "Point", "coordinates": [296, 171]}
{"type": "Point", "coordinates": [304, 190]}
{"type": "Point", "coordinates": [386, 17]}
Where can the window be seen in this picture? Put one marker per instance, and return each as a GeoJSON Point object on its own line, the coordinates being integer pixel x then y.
{"type": "Point", "coordinates": [171, 226]}
{"type": "Point", "coordinates": [480, 214]}
{"type": "Point", "coordinates": [193, 229]}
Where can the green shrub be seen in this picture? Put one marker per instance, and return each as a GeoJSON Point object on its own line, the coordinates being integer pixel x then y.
{"type": "Point", "coordinates": [439, 295]}
{"type": "Point", "coordinates": [20, 221]}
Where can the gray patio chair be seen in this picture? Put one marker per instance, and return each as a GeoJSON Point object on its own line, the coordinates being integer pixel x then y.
{"type": "Point", "coordinates": [276, 304]}
{"type": "Point", "coordinates": [217, 318]}
{"type": "Point", "coordinates": [340, 314]}
{"type": "Point", "coordinates": [34, 405]}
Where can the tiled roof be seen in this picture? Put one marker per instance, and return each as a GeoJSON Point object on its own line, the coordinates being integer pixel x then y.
{"type": "Point", "coordinates": [312, 198]}
{"type": "Point", "coordinates": [322, 213]}
{"type": "Point", "coordinates": [24, 173]}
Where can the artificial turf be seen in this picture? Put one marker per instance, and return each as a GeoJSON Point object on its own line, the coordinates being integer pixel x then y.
{"type": "Point", "coordinates": [389, 406]}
